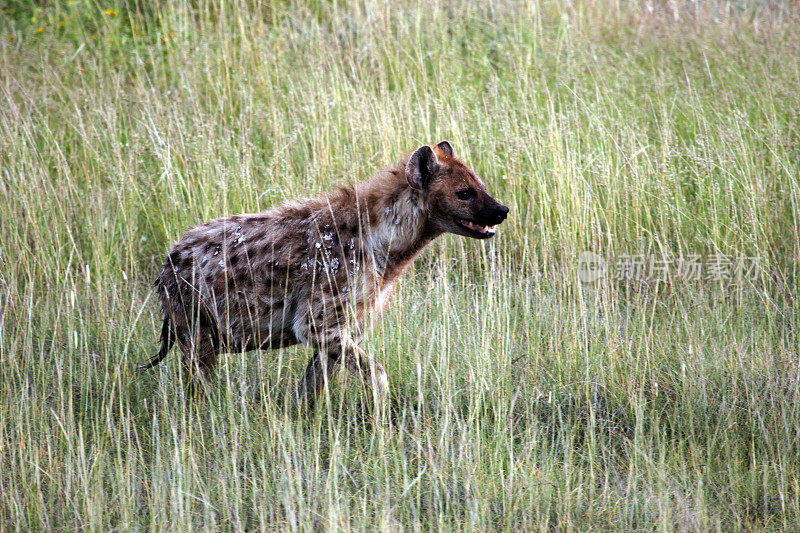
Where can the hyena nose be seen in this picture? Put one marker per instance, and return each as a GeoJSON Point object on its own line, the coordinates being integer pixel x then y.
{"type": "Point", "coordinates": [496, 214]}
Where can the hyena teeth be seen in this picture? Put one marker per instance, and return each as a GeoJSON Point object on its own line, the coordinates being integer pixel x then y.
{"type": "Point", "coordinates": [475, 227]}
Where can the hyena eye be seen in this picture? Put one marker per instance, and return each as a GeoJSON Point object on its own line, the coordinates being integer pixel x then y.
{"type": "Point", "coordinates": [465, 194]}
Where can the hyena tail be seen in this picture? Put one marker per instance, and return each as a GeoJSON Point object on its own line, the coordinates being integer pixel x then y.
{"type": "Point", "coordinates": [167, 341]}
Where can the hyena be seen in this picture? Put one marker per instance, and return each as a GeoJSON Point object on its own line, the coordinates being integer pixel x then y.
{"type": "Point", "coordinates": [317, 271]}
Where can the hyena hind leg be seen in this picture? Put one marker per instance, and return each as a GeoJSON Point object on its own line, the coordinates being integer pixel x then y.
{"type": "Point", "coordinates": [198, 361]}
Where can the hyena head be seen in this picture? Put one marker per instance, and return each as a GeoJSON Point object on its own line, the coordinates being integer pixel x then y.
{"type": "Point", "coordinates": [456, 199]}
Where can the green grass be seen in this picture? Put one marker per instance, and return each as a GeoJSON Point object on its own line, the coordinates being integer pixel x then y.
{"type": "Point", "coordinates": [522, 398]}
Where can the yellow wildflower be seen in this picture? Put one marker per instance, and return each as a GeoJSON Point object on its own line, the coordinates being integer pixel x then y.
{"type": "Point", "coordinates": [110, 12]}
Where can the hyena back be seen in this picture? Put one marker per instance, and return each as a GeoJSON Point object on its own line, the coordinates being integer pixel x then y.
{"type": "Point", "coordinates": [318, 271]}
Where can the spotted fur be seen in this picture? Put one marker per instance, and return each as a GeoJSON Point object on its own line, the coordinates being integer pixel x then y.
{"type": "Point", "coordinates": [317, 271]}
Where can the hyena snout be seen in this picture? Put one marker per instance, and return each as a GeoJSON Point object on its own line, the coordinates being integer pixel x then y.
{"type": "Point", "coordinates": [492, 215]}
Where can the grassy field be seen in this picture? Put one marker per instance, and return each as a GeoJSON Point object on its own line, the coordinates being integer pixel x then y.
{"type": "Point", "coordinates": [522, 397]}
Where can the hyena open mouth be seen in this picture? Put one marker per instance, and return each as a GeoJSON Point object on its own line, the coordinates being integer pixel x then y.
{"type": "Point", "coordinates": [483, 232]}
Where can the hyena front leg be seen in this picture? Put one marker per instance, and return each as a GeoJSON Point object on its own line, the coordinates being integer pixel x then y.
{"type": "Point", "coordinates": [320, 370]}
{"type": "Point", "coordinates": [339, 349]}
{"type": "Point", "coordinates": [371, 372]}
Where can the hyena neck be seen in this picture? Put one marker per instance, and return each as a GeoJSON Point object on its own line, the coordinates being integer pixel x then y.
{"type": "Point", "coordinates": [400, 228]}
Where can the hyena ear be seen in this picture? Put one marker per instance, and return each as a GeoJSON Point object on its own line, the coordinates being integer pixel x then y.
{"type": "Point", "coordinates": [421, 167]}
{"type": "Point", "coordinates": [445, 147]}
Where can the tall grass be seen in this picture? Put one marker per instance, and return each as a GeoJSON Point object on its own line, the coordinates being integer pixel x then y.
{"type": "Point", "coordinates": [521, 397]}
